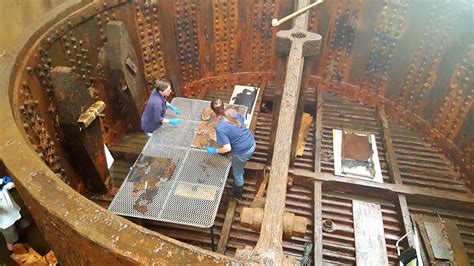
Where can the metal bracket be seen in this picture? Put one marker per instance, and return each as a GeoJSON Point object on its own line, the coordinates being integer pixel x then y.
{"type": "Point", "coordinates": [86, 118]}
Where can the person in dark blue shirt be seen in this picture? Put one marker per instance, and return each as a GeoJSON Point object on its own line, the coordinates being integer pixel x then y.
{"type": "Point", "coordinates": [154, 114]}
{"type": "Point", "coordinates": [233, 135]}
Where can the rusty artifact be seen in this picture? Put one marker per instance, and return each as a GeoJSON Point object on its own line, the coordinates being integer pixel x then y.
{"type": "Point", "coordinates": [146, 176]}
{"type": "Point", "coordinates": [206, 130]}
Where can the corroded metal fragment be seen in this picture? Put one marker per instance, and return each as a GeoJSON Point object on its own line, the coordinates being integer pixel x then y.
{"type": "Point", "coordinates": [147, 173]}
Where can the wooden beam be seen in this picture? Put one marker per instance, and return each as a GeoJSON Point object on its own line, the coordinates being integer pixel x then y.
{"type": "Point", "coordinates": [404, 215]}
{"type": "Point", "coordinates": [318, 224]}
{"type": "Point", "coordinates": [370, 246]}
{"type": "Point", "coordinates": [318, 129]}
{"type": "Point", "coordinates": [394, 173]}
{"type": "Point", "coordinates": [229, 217]}
{"type": "Point", "coordinates": [269, 245]}
{"type": "Point", "coordinates": [254, 166]}
{"type": "Point", "coordinates": [415, 195]}
{"type": "Point", "coordinates": [392, 163]}
{"type": "Point", "coordinates": [318, 192]}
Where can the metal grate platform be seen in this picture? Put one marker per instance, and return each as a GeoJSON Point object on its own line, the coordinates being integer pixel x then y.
{"type": "Point", "coordinates": [193, 193]}
{"type": "Point", "coordinates": [191, 109]}
{"type": "Point", "coordinates": [177, 136]}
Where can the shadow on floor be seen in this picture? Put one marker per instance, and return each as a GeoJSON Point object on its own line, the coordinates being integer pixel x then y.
{"type": "Point", "coordinates": [31, 236]}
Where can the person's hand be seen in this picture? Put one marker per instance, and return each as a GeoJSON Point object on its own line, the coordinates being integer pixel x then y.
{"type": "Point", "coordinates": [174, 122]}
{"type": "Point", "coordinates": [211, 150]}
{"type": "Point", "coordinates": [175, 109]}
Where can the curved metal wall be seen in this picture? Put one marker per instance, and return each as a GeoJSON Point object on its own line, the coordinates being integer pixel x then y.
{"type": "Point", "coordinates": [413, 57]}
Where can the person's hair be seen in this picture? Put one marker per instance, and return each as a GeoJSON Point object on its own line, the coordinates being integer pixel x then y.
{"type": "Point", "coordinates": [218, 107]}
{"type": "Point", "coordinates": [160, 85]}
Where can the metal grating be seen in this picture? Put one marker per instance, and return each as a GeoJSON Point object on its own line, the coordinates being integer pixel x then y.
{"type": "Point", "coordinates": [191, 109]}
{"type": "Point", "coordinates": [202, 168]}
{"type": "Point", "coordinates": [124, 202]}
{"type": "Point", "coordinates": [177, 136]}
{"type": "Point", "coordinates": [192, 195]}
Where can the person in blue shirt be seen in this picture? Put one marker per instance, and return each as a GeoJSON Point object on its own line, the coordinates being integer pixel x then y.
{"type": "Point", "coordinates": [155, 109]}
{"type": "Point", "coordinates": [233, 136]}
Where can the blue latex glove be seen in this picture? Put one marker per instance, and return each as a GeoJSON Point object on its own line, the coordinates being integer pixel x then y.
{"type": "Point", "coordinates": [6, 179]}
{"type": "Point", "coordinates": [211, 150]}
{"type": "Point", "coordinates": [7, 183]}
{"type": "Point", "coordinates": [174, 108]}
{"type": "Point", "coordinates": [174, 122]}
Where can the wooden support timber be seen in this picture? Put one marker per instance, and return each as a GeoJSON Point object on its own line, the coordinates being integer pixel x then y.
{"type": "Point", "coordinates": [394, 173]}
{"type": "Point", "coordinates": [414, 195]}
{"type": "Point", "coordinates": [392, 163]}
{"type": "Point", "coordinates": [318, 192]}
{"type": "Point", "coordinates": [85, 146]}
{"type": "Point", "coordinates": [229, 217]}
{"type": "Point", "coordinates": [127, 76]}
{"type": "Point", "coordinates": [297, 43]}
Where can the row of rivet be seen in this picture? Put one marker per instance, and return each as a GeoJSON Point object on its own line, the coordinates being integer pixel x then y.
{"type": "Point", "coordinates": [225, 32]}
{"type": "Point", "coordinates": [459, 98]}
{"type": "Point", "coordinates": [188, 47]}
{"type": "Point", "coordinates": [37, 132]}
{"type": "Point", "coordinates": [150, 41]}
{"type": "Point", "coordinates": [383, 46]}
{"type": "Point", "coordinates": [341, 42]}
{"type": "Point", "coordinates": [262, 33]}
{"type": "Point", "coordinates": [425, 62]}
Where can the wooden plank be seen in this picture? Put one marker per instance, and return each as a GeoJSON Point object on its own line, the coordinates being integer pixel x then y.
{"type": "Point", "coordinates": [415, 195]}
{"type": "Point", "coordinates": [229, 217]}
{"type": "Point", "coordinates": [318, 224]}
{"type": "Point", "coordinates": [404, 214]}
{"type": "Point", "coordinates": [318, 130]}
{"type": "Point", "coordinates": [369, 234]}
{"type": "Point", "coordinates": [392, 164]}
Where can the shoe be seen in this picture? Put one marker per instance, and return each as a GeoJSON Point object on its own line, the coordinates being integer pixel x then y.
{"type": "Point", "coordinates": [237, 193]}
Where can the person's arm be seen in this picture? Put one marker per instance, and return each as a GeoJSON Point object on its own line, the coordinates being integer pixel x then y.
{"type": "Point", "coordinates": [157, 118]}
{"type": "Point", "coordinates": [223, 143]}
{"type": "Point", "coordinates": [224, 149]}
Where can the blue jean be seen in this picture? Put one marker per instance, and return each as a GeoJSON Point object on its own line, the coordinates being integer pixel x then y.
{"type": "Point", "coordinates": [238, 164]}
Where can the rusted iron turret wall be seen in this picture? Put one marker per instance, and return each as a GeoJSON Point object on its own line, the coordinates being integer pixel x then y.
{"type": "Point", "coordinates": [414, 58]}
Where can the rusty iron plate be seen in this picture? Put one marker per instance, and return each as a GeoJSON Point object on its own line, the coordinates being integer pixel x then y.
{"type": "Point", "coordinates": [439, 241]}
